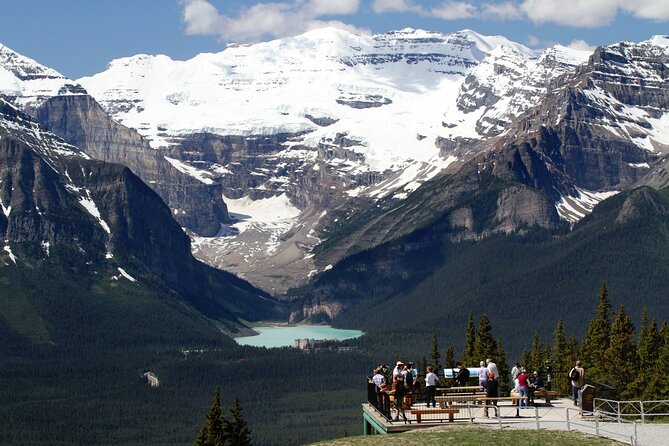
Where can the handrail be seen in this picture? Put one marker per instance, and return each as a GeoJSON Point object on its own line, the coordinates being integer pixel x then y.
{"type": "Point", "coordinates": [633, 439]}
{"type": "Point", "coordinates": [631, 409]}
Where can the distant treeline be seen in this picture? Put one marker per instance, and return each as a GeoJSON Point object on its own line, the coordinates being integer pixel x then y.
{"type": "Point", "coordinates": [630, 366]}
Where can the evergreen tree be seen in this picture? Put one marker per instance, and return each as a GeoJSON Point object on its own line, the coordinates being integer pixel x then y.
{"type": "Point", "coordinates": [236, 430]}
{"type": "Point", "coordinates": [536, 355]}
{"type": "Point", "coordinates": [650, 343]}
{"type": "Point", "coordinates": [658, 386]}
{"type": "Point", "coordinates": [621, 355]}
{"type": "Point", "coordinates": [485, 345]}
{"type": "Point", "coordinates": [211, 433]}
{"type": "Point", "coordinates": [502, 365]}
{"type": "Point", "coordinates": [525, 358]}
{"type": "Point", "coordinates": [648, 349]}
{"type": "Point", "coordinates": [597, 338]}
{"type": "Point", "coordinates": [449, 359]}
{"type": "Point", "coordinates": [422, 366]}
{"type": "Point", "coordinates": [560, 359]}
{"type": "Point", "coordinates": [469, 352]}
{"type": "Point", "coordinates": [435, 355]}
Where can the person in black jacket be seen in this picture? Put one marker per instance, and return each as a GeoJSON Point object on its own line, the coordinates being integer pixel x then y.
{"type": "Point", "coordinates": [491, 391]}
{"type": "Point", "coordinates": [463, 375]}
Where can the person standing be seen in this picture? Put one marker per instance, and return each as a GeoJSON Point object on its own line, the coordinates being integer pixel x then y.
{"type": "Point", "coordinates": [492, 368]}
{"type": "Point", "coordinates": [515, 371]}
{"type": "Point", "coordinates": [482, 374]}
{"type": "Point", "coordinates": [399, 390]}
{"type": "Point", "coordinates": [577, 378]}
{"type": "Point", "coordinates": [430, 387]}
{"type": "Point", "coordinates": [409, 378]}
{"type": "Point", "coordinates": [491, 391]}
{"type": "Point", "coordinates": [523, 386]}
{"type": "Point", "coordinates": [462, 376]}
{"type": "Point", "coordinates": [380, 381]}
{"type": "Point", "coordinates": [537, 383]}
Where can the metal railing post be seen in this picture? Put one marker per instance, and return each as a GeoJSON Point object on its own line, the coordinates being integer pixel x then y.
{"type": "Point", "coordinates": [597, 426]}
{"type": "Point", "coordinates": [536, 416]}
{"type": "Point", "coordinates": [567, 417]}
{"type": "Point", "coordinates": [643, 418]}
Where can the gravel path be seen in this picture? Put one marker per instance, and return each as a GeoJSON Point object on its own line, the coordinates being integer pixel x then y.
{"type": "Point", "coordinates": [554, 417]}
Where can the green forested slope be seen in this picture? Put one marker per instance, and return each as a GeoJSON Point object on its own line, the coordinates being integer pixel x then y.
{"type": "Point", "coordinates": [524, 283]}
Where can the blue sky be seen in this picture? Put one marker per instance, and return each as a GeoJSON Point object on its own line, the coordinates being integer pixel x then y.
{"type": "Point", "coordinates": [79, 37]}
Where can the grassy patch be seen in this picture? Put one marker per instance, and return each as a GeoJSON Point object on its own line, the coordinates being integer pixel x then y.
{"type": "Point", "coordinates": [474, 436]}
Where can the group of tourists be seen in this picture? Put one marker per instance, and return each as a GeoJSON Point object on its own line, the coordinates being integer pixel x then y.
{"type": "Point", "coordinates": [401, 383]}
{"type": "Point", "coordinates": [404, 378]}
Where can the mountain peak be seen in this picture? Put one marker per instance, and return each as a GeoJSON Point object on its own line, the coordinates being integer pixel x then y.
{"type": "Point", "coordinates": [30, 82]}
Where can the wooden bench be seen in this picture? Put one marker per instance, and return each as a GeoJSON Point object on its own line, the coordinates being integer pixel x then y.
{"type": "Point", "coordinates": [457, 398]}
{"type": "Point", "coordinates": [513, 399]}
{"type": "Point", "coordinates": [547, 395]}
{"type": "Point", "coordinates": [421, 412]}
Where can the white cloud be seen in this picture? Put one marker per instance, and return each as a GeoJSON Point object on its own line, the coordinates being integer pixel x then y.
{"type": "Point", "coordinates": [657, 10]}
{"type": "Point", "coordinates": [533, 41]}
{"type": "Point", "coordinates": [453, 11]}
{"type": "Point", "coordinates": [380, 6]}
{"type": "Point", "coordinates": [577, 13]}
{"type": "Point", "coordinates": [261, 20]}
{"type": "Point", "coordinates": [502, 11]}
{"type": "Point", "coordinates": [582, 45]}
{"type": "Point", "coordinates": [319, 8]}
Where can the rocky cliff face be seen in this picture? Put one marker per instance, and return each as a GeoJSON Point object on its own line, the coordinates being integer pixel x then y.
{"type": "Point", "coordinates": [196, 204]}
{"type": "Point", "coordinates": [64, 107]}
{"type": "Point", "coordinates": [594, 131]}
{"type": "Point", "coordinates": [597, 129]}
{"type": "Point", "coordinates": [61, 206]}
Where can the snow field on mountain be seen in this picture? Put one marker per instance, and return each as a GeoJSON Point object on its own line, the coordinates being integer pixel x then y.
{"type": "Point", "coordinates": [272, 87]}
{"type": "Point", "coordinates": [573, 209]}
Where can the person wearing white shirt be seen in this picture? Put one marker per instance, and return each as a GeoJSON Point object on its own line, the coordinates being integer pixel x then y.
{"type": "Point", "coordinates": [430, 387]}
{"type": "Point", "coordinates": [492, 368]}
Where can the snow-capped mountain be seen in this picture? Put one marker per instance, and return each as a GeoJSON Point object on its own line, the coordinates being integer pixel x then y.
{"type": "Point", "coordinates": [318, 120]}
{"type": "Point", "coordinates": [64, 107]}
{"type": "Point", "coordinates": [301, 135]}
{"type": "Point", "coordinates": [30, 82]}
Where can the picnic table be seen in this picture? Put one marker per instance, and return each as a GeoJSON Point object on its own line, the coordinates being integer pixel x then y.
{"type": "Point", "coordinates": [464, 389]}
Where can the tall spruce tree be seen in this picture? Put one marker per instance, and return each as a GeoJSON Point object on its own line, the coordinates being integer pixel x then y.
{"type": "Point", "coordinates": [485, 345]}
{"type": "Point", "coordinates": [435, 354]}
{"type": "Point", "coordinates": [525, 358]}
{"type": "Point", "coordinates": [536, 354]}
{"type": "Point", "coordinates": [211, 433]}
{"type": "Point", "coordinates": [621, 356]}
{"type": "Point", "coordinates": [449, 358]}
{"type": "Point", "coordinates": [236, 430]}
{"type": "Point", "coordinates": [658, 386]}
{"type": "Point", "coordinates": [597, 338]}
{"type": "Point", "coordinates": [559, 362]}
{"type": "Point", "coordinates": [469, 357]}
{"type": "Point", "coordinates": [502, 366]}
{"type": "Point", "coordinates": [648, 349]}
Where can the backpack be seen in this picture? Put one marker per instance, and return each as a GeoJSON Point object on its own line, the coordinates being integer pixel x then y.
{"type": "Point", "coordinates": [574, 375]}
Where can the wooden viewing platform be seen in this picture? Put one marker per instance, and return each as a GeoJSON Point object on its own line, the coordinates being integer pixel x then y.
{"type": "Point", "coordinates": [419, 416]}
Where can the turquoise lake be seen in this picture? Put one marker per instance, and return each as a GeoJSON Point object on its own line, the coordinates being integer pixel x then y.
{"type": "Point", "coordinates": [285, 335]}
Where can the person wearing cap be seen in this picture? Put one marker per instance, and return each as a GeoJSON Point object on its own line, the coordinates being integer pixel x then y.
{"type": "Point", "coordinates": [399, 365]}
{"type": "Point", "coordinates": [491, 391]}
{"type": "Point", "coordinates": [380, 381]}
{"type": "Point", "coordinates": [399, 390]}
